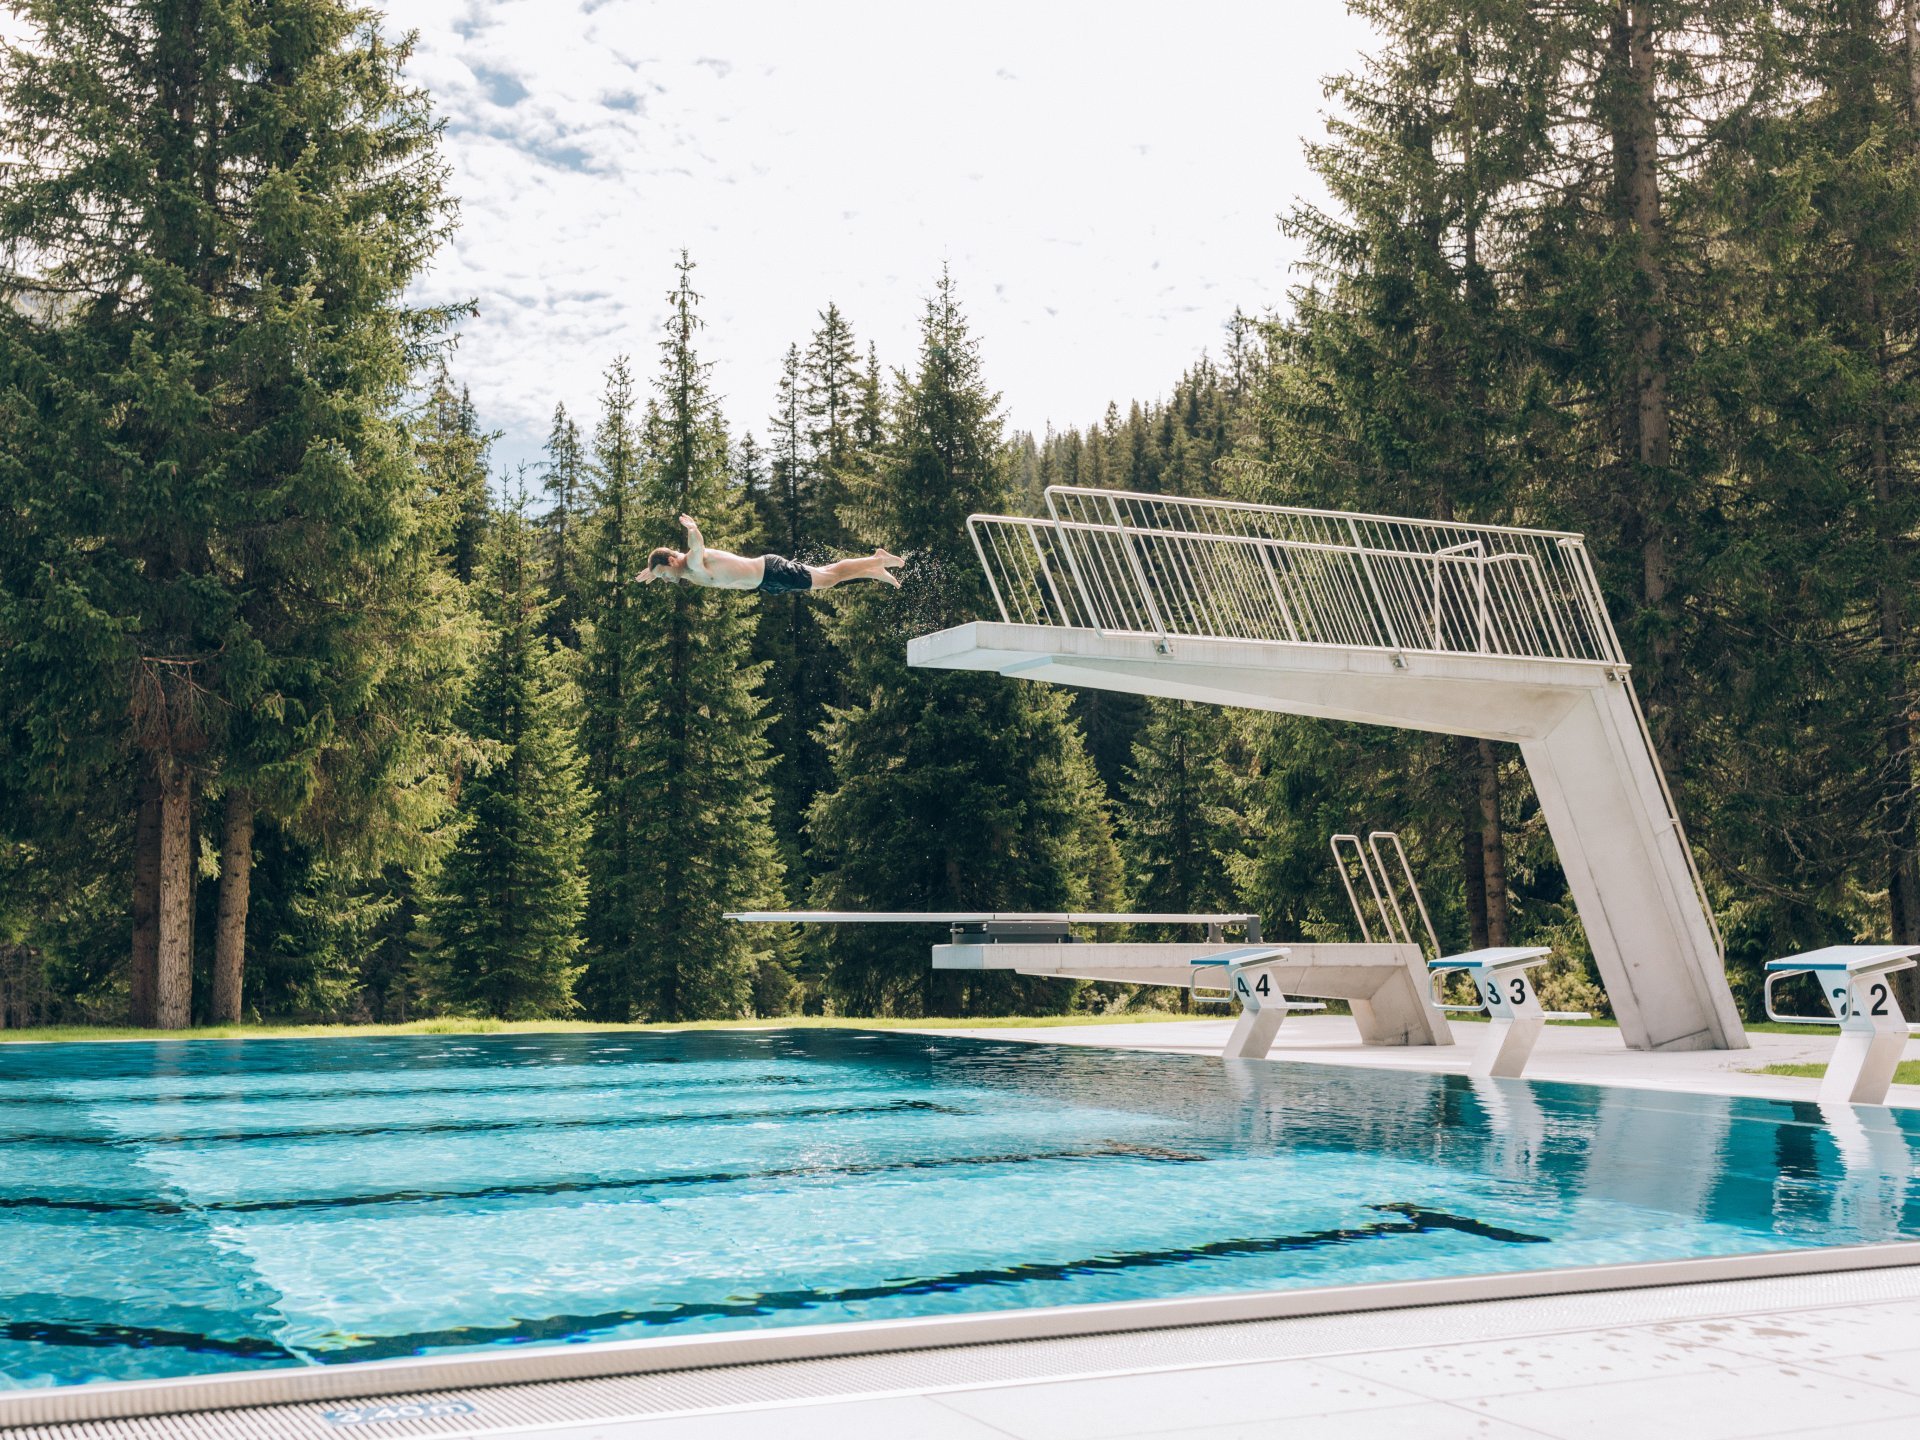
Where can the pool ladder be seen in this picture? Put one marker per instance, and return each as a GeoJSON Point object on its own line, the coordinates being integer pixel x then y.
{"type": "Point", "coordinates": [1389, 914]}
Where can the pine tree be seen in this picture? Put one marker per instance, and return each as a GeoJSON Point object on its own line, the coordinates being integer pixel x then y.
{"type": "Point", "coordinates": [218, 572]}
{"type": "Point", "coordinates": [1408, 385]}
{"type": "Point", "coordinates": [616, 649]}
{"type": "Point", "coordinates": [702, 843]}
{"type": "Point", "coordinates": [453, 451]}
{"type": "Point", "coordinates": [1806, 747]}
{"type": "Point", "coordinates": [566, 484]}
{"type": "Point", "coordinates": [949, 791]}
{"type": "Point", "coordinates": [815, 451]}
{"type": "Point", "coordinates": [1183, 828]}
{"type": "Point", "coordinates": [509, 900]}
{"type": "Point", "coordinates": [832, 394]}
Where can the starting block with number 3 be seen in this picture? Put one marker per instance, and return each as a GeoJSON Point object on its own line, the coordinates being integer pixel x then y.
{"type": "Point", "coordinates": [1856, 982]}
{"type": "Point", "coordinates": [1502, 990]}
{"type": "Point", "coordinates": [1250, 980]}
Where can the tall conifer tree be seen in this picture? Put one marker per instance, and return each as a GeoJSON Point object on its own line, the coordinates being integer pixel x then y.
{"type": "Point", "coordinates": [207, 382]}
{"type": "Point", "coordinates": [1183, 828]}
{"type": "Point", "coordinates": [949, 791]}
{"type": "Point", "coordinates": [509, 899]}
{"type": "Point", "coordinates": [614, 653]}
{"type": "Point", "coordinates": [453, 451]}
{"type": "Point", "coordinates": [701, 842]}
{"type": "Point", "coordinates": [566, 484]}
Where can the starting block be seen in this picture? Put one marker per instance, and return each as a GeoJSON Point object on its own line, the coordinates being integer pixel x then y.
{"type": "Point", "coordinates": [1502, 990]}
{"type": "Point", "coordinates": [1855, 981]}
{"type": "Point", "coordinates": [1250, 980]}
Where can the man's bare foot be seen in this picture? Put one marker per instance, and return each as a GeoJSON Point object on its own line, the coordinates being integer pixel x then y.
{"type": "Point", "coordinates": [889, 558]}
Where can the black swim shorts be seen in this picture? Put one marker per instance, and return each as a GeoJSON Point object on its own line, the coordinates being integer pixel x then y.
{"type": "Point", "coordinates": [785, 576]}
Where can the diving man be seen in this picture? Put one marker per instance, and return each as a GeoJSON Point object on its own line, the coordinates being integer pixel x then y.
{"type": "Point", "coordinates": [769, 574]}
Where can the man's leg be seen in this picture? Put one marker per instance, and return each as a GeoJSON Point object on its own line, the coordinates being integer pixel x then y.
{"type": "Point", "coordinates": [859, 567]}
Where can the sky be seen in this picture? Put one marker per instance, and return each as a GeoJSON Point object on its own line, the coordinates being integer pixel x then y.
{"type": "Point", "coordinates": [1103, 180]}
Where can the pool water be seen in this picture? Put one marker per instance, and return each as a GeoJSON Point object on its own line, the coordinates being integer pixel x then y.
{"type": "Point", "coordinates": [178, 1208]}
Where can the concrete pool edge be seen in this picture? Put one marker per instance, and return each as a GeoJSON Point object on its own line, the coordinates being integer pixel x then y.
{"type": "Point", "coordinates": [110, 1400]}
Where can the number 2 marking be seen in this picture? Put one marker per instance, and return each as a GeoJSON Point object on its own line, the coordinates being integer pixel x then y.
{"type": "Point", "coordinates": [1879, 994]}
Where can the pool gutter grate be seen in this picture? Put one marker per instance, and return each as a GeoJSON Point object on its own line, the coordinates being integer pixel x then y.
{"type": "Point", "coordinates": [504, 1409]}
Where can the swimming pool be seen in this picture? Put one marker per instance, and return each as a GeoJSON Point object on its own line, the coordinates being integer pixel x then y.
{"type": "Point", "coordinates": [182, 1208]}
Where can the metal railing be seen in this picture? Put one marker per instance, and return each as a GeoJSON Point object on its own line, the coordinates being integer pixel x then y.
{"type": "Point", "coordinates": [1168, 566]}
{"type": "Point", "coordinates": [1381, 885]}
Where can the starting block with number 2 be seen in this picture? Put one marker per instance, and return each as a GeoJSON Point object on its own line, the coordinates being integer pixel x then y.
{"type": "Point", "coordinates": [1856, 982]}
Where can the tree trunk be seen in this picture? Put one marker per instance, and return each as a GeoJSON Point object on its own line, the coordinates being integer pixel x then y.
{"type": "Point", "coordinates": [1910, 22]}
{"type": "Point", "coordinates": [173, 972]}
{"type": "Point", "coordinates": [230, 929]}
{"type": "Point", "coordinates": [146, 902]}
{"type": "Point", "coordinates": [1493, 849]}
{"type": "Point", "coordinates": [1473, 860]}
{"type": "Point", "coordinates": [1649, 441]}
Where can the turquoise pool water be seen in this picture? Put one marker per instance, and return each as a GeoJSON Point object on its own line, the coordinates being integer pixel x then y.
{"type": "Point", "coordinates": [173, 1209]}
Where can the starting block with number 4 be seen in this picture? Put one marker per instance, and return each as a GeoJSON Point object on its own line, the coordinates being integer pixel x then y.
{"type": "Point", "coordinates": [1856, 982]}
{"type": "Point", "coordinates": [1502, 990]}
{"type": "Point", "coordinates": [1250, 980]}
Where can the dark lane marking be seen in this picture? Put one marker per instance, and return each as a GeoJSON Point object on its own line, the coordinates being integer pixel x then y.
{"type": "Point", "coordinates": [1117, 1150]}
{"type": "Point", "coordinates": [646, 1085]}
{"type": "Point", "coordinates": [1412, 1220]}
{"type": "Point", "coordinates": [477, 1127]}
{"type": "Point", "coordinates": [140, 1337]}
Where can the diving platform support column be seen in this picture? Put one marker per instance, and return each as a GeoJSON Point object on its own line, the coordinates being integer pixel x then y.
{"type": "Point", "coordinates": [1578, 729]}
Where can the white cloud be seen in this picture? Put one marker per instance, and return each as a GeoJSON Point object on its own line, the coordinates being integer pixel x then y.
{"type": "Point", "coordinates": [1102, 177]}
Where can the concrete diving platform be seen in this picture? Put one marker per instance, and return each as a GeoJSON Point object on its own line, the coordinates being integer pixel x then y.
{"type": "Point", "coordinates": [1485, 631]}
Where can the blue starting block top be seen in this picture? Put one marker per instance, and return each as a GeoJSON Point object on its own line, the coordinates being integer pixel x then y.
{"type": "Point", "coordinates": [1846, 957]}
{"type": "Point", "coordinates": [1488, 959]}
{"type": "Point", "coordinates": [1239, 957]}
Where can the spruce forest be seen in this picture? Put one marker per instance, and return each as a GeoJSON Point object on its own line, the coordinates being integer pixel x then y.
{"type": "Point", "coordinates": [310, 712]}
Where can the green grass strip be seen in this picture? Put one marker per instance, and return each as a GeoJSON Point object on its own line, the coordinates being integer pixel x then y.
{"type": "Point", "coordinates": [1907, 1074]}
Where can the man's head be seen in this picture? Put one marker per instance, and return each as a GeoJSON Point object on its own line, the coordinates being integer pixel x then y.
{"type": "Point", "coordinates": [664, 564]}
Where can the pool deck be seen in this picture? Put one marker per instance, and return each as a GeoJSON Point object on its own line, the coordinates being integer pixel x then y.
{"type": "Point", "coordinates": [1588, 1053]}
{"type": "Point", "coordinates": [1761, 1358]}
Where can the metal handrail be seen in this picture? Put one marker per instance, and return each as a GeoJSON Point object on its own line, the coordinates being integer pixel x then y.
{"type": "Point", "coordinates": [1053, 492]}
{"type": "Point", "coordinates": [1173, 566]}
{"type": "Point", "coordinates": [1413, 886]}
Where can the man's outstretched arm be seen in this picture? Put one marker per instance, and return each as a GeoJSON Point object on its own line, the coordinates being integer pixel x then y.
{"type": "Point", "coordinates": [696, 546]}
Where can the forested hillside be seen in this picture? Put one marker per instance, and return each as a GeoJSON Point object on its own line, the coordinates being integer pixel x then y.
{"type": "Point", "coordinates": [311, 713]}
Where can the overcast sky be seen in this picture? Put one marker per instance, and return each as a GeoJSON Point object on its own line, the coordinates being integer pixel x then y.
{"type": "Point", "coordinates": [1103, 179]}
